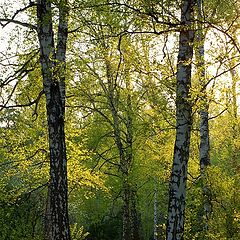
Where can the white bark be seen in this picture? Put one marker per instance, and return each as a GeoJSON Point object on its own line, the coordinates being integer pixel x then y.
{"type": "Point", "coordinates": [204, 141]}
{"type": "Point", "coordinates": [177, 191]}
{"type": "Point", "coordinates": [61, 47]}
{"type": "Point", "coordinates": [204, 128]}
{"type": "Point", "coordinates": [53, 72]}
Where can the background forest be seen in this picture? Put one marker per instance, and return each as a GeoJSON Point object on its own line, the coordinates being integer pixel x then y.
{"type": "Point", "coordinates": [128, 91]}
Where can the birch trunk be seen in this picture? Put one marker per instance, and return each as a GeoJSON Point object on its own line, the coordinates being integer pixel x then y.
{"type": "Point", "coordinates": [234, 102]}
{"type": "Point", "coordinates": [204, 141]}
{"type": "Point", "coordinates": [204, 163]}
{"type": "Point", "coordinates": [204, 128]}
{"type": "Point", "coordinates": [234, 110]}
{"type": "Point", "coordinates": [53, 72]}
{"type": "Point", "coordinates": [177, 190]}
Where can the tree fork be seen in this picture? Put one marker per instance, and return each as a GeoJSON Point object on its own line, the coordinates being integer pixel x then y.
{"type": "Point", "coordinates": [53, 71]}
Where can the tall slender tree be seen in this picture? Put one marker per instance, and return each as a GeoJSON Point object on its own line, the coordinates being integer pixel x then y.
{"type": "Point", "coordinates": [178, 181]}
{"type": "Point", "coordinates": [53, 64]}
{"type": "Point", "coordinates": [204, 106]}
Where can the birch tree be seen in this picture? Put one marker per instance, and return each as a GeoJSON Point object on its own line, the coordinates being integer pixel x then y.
{"type": "Point", "coordinates": [53, 64]}
{"type": "Point", "coordinates": [177, 190]}
{"type": "Point", "coordinates": [204, 106]}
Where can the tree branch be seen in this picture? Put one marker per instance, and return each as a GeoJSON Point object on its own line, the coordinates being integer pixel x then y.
{"type": "Point", "coordinates": [13, 20]}
{"type": "Point", "coordinates": [9, 20]}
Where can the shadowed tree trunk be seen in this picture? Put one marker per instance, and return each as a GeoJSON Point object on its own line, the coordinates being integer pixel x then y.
{"type": "Point", "coordinates": [204, 129]}
{"type": "Point", "coordinates": [124, 143]}
{"type": "Point", "coordinates": [177, 189]}
{"type": "Point", "coordinates": [53, 72]}
{"type": "Point", "coordinates": [131, 222]}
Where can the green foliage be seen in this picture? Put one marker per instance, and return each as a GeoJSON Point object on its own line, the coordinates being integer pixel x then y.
{"type": "Point", "coordinates": [77, 233]}
{"type": "Point", "coordinates": [107, 228]}
{"type": "Point", "coordinates": [113, 57]}
{"type": "Point", "coordinates": [22, 219]}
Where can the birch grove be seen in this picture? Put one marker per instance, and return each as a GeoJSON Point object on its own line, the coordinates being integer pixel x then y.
{"type": "Point", "coordinates": [108, 110]}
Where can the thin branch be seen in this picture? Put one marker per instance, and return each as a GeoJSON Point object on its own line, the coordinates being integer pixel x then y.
{"type": "Point", "coordinates": [9, 20]}
{"type": "Point", "coordinates": [218, 114]}
{"type": "Point", "coordinates": [4, 106]}
{"type": "Point", "coordinates": [36, 104]}
{"type": "Point", "coordinates": [42, 150]}
{"type": "Point", "coordinates": [112, 174]}
{"type": "Point", "coordinates": [9, 97]}
{"type": "Point", "coordinates": [13, 20]}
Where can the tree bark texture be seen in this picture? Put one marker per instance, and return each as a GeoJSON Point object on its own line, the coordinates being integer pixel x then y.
{"type": "Point", "coordinates": [131, 221]}
{"type": "Point", "coordinates": [204, 163]}
{"type": "Point", "coordinates": [53, 71]}
{"type": "Point", "coordinates": [177, 189]}
{"type": "Point", "coordinates": [204, 128]}
{"type": "Point", "coordinates": [204, 141]}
